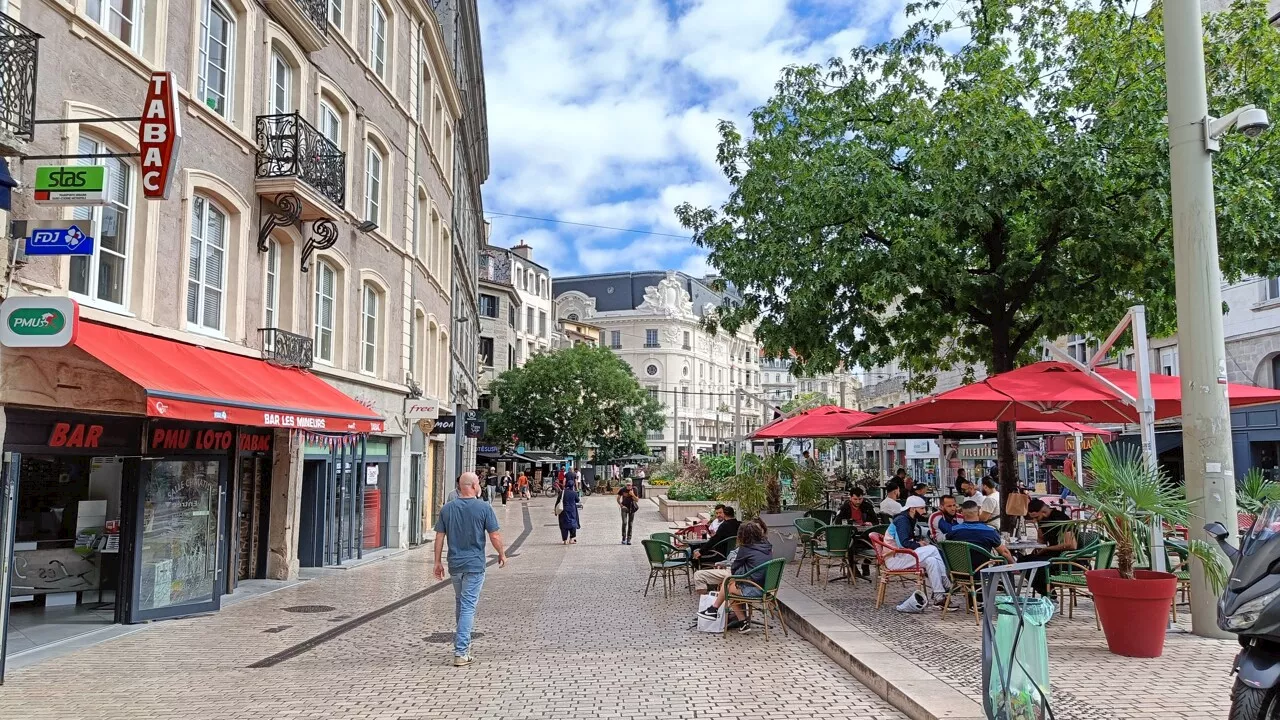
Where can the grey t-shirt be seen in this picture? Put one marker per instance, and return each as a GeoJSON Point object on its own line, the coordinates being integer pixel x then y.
{"type": "Point", "coordinates": [466, 522]}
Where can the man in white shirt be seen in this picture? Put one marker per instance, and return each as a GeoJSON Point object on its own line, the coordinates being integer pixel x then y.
{"type": "Point", "coordinates": [890, 505]}
{"type": "Point", "coordinates": [716, 520]}
{"type": "Point", "coordinates": [990, 505]}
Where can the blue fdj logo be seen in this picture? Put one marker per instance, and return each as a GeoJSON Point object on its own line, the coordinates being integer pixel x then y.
{"type": "Point", "coordinates": [59, 241]}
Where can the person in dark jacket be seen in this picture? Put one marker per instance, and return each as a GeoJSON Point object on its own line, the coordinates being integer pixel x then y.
{"type": "Point", "coordinates": [569, 522]}
{"type": "Point", "coordinates": [856, 509]}
{"type": "Point", "coordinates": [753, 551]}
{"type": "Point", "coordinates": [713, 550]}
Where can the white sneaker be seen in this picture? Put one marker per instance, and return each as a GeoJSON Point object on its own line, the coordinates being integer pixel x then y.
{"type": "Point", "coordinates": [461, 660]}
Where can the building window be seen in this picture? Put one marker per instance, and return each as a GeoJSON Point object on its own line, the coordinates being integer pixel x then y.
{"type": "Point", "coordinates": [511, 315]}
{"type": "Point", "coordinates": [326, 286]}
{"type": "Point", "coordinates": [1078, 348]}
{"type": "Point", "coordinates": [528, 325]}
{"type": "Point", "coordinates": [684, 397]}
{"type": "Point", "coordinates": [651, 338]}
{"type": "Point", "coordinates": [330, 123]}
{"type": "Point", "coordinates": [281, 84]}
{"type": "Point", "coordinates": [378, 39]}
{"type": "Point", "coordinates": [615, 339]}
{"type": "Point", "coordinates": [486, 351]}
{"type": "Point", "coordinates": [335, 13]}
{"type": "Point", "coordinates": [1272, 288]}
{"type": "Point", "coordinates": [121, 18]}
{"type": "Point", "coordinates": [488, 306]}
{"type": "Point", "coordinates": [1169, 361]}
{"type": "Point", "coordinates": [542, 323]}
{"type": "Point", "coordinates": [206, 265]}
{"type": "Point", "coordinates": [653, 391]}
{"type": "Point", "coordinates": [519, 351]}
{"type": "Point", "coordinates": [217, 48]}
{"type": "Point", "coordinates": [441, 254]}
{"type": "Point", "coordinates": [272, 291]}
{"type": "Point", "coordinates": [687, 344]}
{"type": "Point", "coordinates": [373, 185]}
{"type": "Point", "coordinates": [369, 312]}
{"type": "Point", "coordinates": [105, 274]}
{"type": "Point", "coordinates": [651, 370]}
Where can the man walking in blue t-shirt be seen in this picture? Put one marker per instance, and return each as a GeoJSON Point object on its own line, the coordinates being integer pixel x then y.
{"type": "Point", "coordinates": [464, 523]}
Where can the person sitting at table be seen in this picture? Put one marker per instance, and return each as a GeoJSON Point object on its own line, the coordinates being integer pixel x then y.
{"type": "Point", "coordinates": [890, 505]}
{"type": "Point", "coordinates": [942, 521]}
{"type": "Point", "coordinates": [728, 529]}
{"type": "Point", "coordinates": [976, 532]}
{"type": "Point", "coordinates": [961, 482]}
{"type": "Point", "coordinates": [921, 491]}
{"type": "Point", "coordinates": [904, 480]}
{"type": "Point", "coordinates": [989, 505]}
{"type": "Point", "coordinates": [856, 509]}
{"type": "Point", "coordinates": [902, 534]}
{"type": "Point", "coordinates": [753, 551]}
{"type": "Point", "coordinates": [1056, 534]}
{"type": "Point", "coordinates": [716, 519]}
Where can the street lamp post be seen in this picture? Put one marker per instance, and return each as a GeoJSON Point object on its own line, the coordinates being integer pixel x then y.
{"type": "Point", "coordinates": [1206, 415]}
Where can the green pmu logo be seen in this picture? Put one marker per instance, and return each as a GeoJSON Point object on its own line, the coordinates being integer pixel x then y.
{"type": "Point", "coordinates": [36, 321]}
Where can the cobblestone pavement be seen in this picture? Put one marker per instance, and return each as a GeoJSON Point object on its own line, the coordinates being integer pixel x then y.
{"type": "Point", "coordinates": [566, 634]}
{"type": "Point", "coordinates": [1190, 680]}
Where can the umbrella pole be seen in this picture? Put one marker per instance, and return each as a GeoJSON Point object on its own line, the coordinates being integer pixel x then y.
{"type": "Point", "coordinates": [1079, 459]}
{"type": "Point", "coordinates": [1147, 423]}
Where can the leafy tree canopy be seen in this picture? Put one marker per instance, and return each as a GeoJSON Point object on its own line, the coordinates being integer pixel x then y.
{"type": "Point", "coordinates": [570, 399]}
{"type": "Point", "coordinates": [950, 197]}
{"type": "Point", "coordinates": [806, 401]}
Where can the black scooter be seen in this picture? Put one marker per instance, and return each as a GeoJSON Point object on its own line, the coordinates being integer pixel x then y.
{"type": "Point", "coordinates": [1250, 608]}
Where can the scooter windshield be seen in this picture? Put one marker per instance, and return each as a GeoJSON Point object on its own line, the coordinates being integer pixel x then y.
{"type": "Point", "coordinates": [1266, 528]}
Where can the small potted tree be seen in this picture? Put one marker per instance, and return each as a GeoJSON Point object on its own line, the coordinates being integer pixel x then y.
{"type": "Point", "coordinates": [1126, 496]}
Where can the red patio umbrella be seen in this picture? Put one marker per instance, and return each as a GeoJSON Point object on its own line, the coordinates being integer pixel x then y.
{"type": "Point", "coordinates": [1053, 392]}
{"type": "Point", "coordinates": [966, 430]}
{"type": "Point", "coordinates": [824, 421]}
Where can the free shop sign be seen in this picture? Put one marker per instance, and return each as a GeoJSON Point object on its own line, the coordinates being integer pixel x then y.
{"type": "Point", "coordinates": [38, 322]}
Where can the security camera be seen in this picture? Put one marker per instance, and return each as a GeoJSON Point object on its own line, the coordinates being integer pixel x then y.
{"type": "Point", "coordinates": [1252, 122]}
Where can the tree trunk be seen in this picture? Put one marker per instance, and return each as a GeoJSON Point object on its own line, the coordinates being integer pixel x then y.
{"type": "Point", "coordinates": [1002, 360]}
{"type": "Point", "coordinates": [773, 493]}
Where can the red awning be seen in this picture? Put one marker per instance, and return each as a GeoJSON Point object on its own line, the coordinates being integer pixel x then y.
{"type": "Point", "coordinates": [187, 382]}
{"type": "Point", "coordinates": [824, 421]}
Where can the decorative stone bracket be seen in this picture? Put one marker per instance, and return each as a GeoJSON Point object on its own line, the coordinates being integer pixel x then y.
{"type": "Point", "coordinates": [286, 210]}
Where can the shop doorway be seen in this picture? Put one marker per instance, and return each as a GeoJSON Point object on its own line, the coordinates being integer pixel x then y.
{"type": "Point", "coordinates": [415, 499]}
{"type": "Point", "coordinates": [251, 519]}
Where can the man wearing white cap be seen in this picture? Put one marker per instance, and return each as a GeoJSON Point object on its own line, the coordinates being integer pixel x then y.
{"type": "Point", "coordinates": [902, 534]}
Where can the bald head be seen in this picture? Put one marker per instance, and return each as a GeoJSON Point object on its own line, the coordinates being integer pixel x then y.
{"type": "Point", "coordinates": [468, 485]}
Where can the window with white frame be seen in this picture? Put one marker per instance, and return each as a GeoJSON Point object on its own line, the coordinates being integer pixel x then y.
{"type": "Point", "coordinates": [373, 168]}
{"type": "Point", "coordinates": [326, 290]}
{"type": "Point", "coordinates": [542, 323]}
{"type": "Point", "coordinates": [330, 123]}
{"type": "Point", "coordinates": [281, 84]}
{"type": "Point", "coordinates": [446, 158]}
{"type": "Point", "coordinates": [104, 275]}
{"type": "Point", "coordinates": [217, 57]}
{"type": "Point", "coordinates": [615, 339]}
{"type": "Point", "coordinates": [271, 294]}
{"type": "Point", "coordinates": [434, 255]}
{"type": "Point", "coordinates": [378, 24]}
{"type": "Point", "coordinates": [370, 310]}
{"type": "Point", "coordinates": [121, 18]}
{"type": "Point", "coordinates": [528, 325]}
{"type": "Point", "coordinates": [206, 264]}
{"type": "Point", "coordinates": [1169, 361]}
{"type": "Point", "coordinates": [1271, 289]}
{"type": "Point", "coordinates": [336, 12]}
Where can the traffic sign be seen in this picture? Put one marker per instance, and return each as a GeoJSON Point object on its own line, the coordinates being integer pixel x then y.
{"type": "Point", "coordinates": [59, 241]}
{"type": "Point", "coordinates": [33, 321]}
{"type": "Point", "coordinates": [70, 185]}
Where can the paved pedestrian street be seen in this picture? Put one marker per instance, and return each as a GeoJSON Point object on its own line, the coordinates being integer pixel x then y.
{"type": "Point", "coordinates": [563, 632]}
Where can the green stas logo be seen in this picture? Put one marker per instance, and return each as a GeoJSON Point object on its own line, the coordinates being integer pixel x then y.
{"type": "Point", "coordinates": [37, 321]}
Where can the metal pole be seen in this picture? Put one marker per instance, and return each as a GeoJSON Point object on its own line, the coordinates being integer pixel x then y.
{"type": "Point", "coordinates": [1206, 415]}
{"type": "Point", "coordinates": [1147, 422]}
{"type": "Point", "coordinates": [675, 432]}
{"type": "Point", "coordinates": [844, 454]}
{"type": "Point", "coordinates": [8, 532]}
{"type": "Point", "coordinates": [1079, 437]}
{"type": "Point", "coordinates": [737, 439]}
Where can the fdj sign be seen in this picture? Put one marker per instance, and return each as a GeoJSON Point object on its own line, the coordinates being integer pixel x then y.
{"type": "Point", "coordinates": [59, 241]}
{"type": "Point", "coordinates": [38, 322]}
{"type": "Point", "coordinates": [71, 185]}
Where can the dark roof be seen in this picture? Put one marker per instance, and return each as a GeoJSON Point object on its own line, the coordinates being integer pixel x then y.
{"type": "Point", "coordinates": [628, 289]}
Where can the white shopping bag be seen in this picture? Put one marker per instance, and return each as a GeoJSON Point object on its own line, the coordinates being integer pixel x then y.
{"type": "Point", "coordinates": [710, 626]}
{"type": "Point", "coordinates": [916, 602]}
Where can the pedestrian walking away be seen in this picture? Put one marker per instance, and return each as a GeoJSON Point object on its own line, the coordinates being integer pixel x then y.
{"type": "Point", "coordinates": [463, 524]}
{"type": "Point", "coordinates": [504, 487]}
{"type": "Point", "coordinates": [628, 503]}
{"type": "Point", "coordinates": [567, 510]}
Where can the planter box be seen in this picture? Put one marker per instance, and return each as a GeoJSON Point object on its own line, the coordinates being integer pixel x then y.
{"type": "Point", "coordinates": [782, 533]}
{"type": "Point", "coordinates": [673, 510]}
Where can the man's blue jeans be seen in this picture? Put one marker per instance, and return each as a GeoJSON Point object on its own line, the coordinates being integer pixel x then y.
{"type": "Point", "coordinates": [466, 594]}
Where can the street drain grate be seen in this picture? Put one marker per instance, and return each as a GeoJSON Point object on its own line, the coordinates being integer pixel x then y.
{"type": "Point", "coordinates": [445, 637]}
{"type": "Point", "coordinates": [309, 609]}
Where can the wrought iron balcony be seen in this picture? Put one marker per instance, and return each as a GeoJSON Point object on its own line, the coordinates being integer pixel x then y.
{"type": "Point", "coordinates": [286, 349]}
{"type": "Point", "coordinates": [306, 20]}
{"type": "Point", "coordinates": [317, 11]}
{"type": "Point", "coordinates": [19, 55]}
{"type": "Point", "coordinates": [289, 147]}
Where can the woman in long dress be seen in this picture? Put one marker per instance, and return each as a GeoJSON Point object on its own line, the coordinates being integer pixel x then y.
{"type": "Point", "coordinates": [569, 522]}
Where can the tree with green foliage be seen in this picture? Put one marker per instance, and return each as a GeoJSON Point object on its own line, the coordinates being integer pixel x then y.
{"type": "Point", "coordinates": [570, 399]}
{"type": "Point", "coordinates": [806, 401]}
{"type": "Point", "coordinates": [951, 197]}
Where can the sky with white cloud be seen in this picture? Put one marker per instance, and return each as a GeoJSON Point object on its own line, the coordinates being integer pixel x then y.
{"type": "Point", "coordinates": [604, 112]}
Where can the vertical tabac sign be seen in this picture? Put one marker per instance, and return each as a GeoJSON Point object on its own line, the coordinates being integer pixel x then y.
{"type": "Point", "coordinates": [159, 134]}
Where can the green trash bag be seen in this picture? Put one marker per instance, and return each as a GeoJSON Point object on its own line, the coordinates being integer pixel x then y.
{"type": "Point", "coordinates": [1024, 656]}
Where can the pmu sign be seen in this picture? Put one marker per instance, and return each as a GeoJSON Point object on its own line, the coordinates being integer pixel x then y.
{"type": "Point", "coordinates": [159, 135]}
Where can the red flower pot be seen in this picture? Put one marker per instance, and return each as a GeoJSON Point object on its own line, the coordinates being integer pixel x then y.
{"type": "Point", "coordinates": [1134, 613]}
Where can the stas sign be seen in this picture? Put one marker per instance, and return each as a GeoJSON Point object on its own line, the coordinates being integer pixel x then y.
{"type": "Point", "coordinates": [159, 135]}
{"type": "Point", "coordinates": [70, 185]}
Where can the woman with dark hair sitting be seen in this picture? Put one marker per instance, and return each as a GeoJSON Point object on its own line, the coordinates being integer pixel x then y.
{"type": "Point", "coordinates": [753, 550]}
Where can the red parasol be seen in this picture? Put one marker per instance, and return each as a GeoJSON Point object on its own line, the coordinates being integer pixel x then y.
{"type": "Point", "coordinates": [824, 421]}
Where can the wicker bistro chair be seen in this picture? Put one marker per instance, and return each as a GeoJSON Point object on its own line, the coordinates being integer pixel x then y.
{"type": "Point", "coordinates": [964, 562]}
{"type": "Point", "coordinates": [910, 575]}
{"type": "Point", "coordinates": [768, 601]}
{"type": "Point", "coordinates": [831, 548]}
{"type": "Point", "coordinates": [1066, 573]}
{"type": "Point", "coordinates": [666, 562]}
{"type": "Point", "coordinates": [807, 528]}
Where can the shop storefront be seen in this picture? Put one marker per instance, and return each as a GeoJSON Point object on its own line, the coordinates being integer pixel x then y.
{"type": "Point", "coordinates": [149, 495]}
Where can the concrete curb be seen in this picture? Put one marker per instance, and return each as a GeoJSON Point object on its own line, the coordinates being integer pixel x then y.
{"type": "Point", "coordinates": [916, 692]}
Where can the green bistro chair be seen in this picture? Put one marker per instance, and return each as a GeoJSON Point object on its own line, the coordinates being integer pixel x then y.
{"type": "Point", "coordinates": [724, 547]}
{"type": "Point", "coordinates": [1066, 573]}
{"type": "Point", "coordinates": [666, 537]}
{"type": "Point", "coordinates": [964, 561]}
{"type": "Point", "coordinates": [826, 517]}
{"type": "Point", "coordinates": [1177, 560]}
{"type": "Point", "coordinates": [768, 601]}
{"type": "Point", "coordinates": [831, 548]}
{"type": "Point", "coordinates": [806, 529]}
{"type": "Point", "coordinates": [867, 556]}
{"type": "Point", "coordinates": [666, 562]}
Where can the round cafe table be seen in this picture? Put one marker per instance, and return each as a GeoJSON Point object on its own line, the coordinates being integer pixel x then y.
{"type": "Point", "coordinates": [1025, 546]}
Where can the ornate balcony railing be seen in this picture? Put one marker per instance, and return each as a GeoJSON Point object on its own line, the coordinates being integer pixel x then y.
{"type": "Point", "coordinates": [318, 12]}
{"type": "Point", "coordinates": [289, 146]}
{"type": "Point", "coordinates": [19, 55]}
{"type": "Point", "coordinates": [286, 349]}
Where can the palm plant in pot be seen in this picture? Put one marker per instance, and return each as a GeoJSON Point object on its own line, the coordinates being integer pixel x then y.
{"type": "Point", "coordinates": [1126, 497]}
